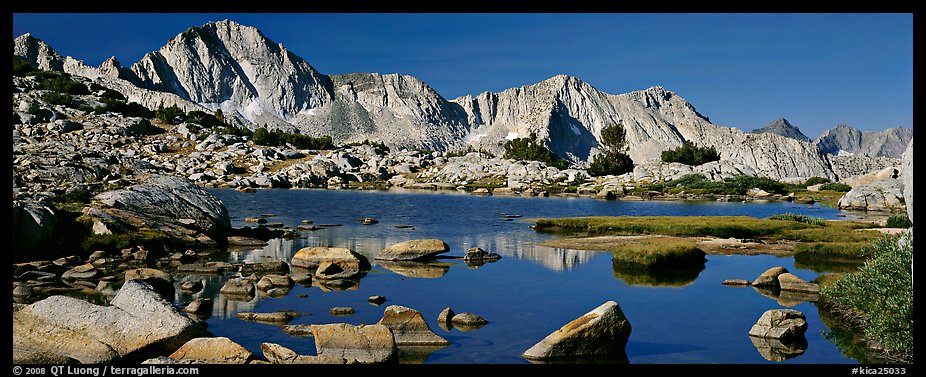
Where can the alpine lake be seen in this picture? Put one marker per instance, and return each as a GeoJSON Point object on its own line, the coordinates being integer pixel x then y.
{"type": "Point", "coordinates": [679, 318]}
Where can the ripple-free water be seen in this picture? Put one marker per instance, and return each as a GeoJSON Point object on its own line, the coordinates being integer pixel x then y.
{"type": "Point", "coordinates": [529, 293]}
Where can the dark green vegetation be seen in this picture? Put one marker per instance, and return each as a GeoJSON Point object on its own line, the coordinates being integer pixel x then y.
{"type": "Point", "coordinates": [278, 138]}
{"type": "Point", "coordinates": [799, 218]}
{"type": "Point", "coordinates": [690, 154]}
{"type": "Point", "coordinates": [697, 183]}
{"type": "Point", "coordinates": [815, 181]}
{"type": "Point", "coordinates": [531, 149]}
{"type": "Point", "coordinates": [881, 295]}
{"type": "Point", "coordinates": [835, 186]}
{"type": "Point", "coordinates": [170, 115]}
{"type": "Point", "coordinates": [898, 221]}
{"type": "Point", "coordinates": [143, 128]}
{"type": "Point", "coordinates": [612, 160]}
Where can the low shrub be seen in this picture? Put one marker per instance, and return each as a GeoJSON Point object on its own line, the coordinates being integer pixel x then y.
{"type": "Point", "coordinates": [799, 218]}
{"type": "Point", "coordinates": [882, 291]}
{"type": "Point", "coordinates": [898, 221]}
{"type": "Point", "coordinates": [836, 186]}
{"type": "Point", "coordinates": [690, 154]}
{"type": "Point", "coordinates": [531, 149]}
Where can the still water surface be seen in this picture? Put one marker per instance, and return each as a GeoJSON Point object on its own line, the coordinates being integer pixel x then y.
{"type": "Point", "coordinates": [529, 293]}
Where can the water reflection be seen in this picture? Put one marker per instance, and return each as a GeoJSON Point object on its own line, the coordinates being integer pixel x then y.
{"type": "Point", "coordinates": [425, 270]}
{"type": "Point", "coordinates": [416, 354]}
{"type": "Point", "coordinates": [779, 350]}
{"type": "Point", "coordinates": [787, 298]}
{"type": "Point", "coordinates": [673, 278]}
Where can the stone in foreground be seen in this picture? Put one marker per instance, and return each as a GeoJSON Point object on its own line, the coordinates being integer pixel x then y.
{"type": "Point", "coordinates": [413, 250]}
{"type": "Point", "coordinates": [138, 324]}
{"type": "Point", "coordinates": [780, 324]}
{"type": "Point", "coordinates": [366, 344]}
{"type": "Point", "coordinates": [409, 327]}
{"type": "Point", "coordinates": [600, 332]}
{"type": "Point", "coordinates": [218, 350]}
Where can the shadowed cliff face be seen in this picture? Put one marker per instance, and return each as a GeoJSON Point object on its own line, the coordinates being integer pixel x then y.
{"type": "Point", "coordinates": [255, 81]}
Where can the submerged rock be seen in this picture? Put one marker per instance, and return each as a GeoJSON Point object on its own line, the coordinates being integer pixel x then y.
{"type": "Point", "coordinates": [600, 332]}
{"type": "Point", "coordinates": [413, 250]}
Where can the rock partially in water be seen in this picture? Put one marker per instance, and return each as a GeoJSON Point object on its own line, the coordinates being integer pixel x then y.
{"type": "Point", "coordinates": [413, 250]}
{"type": "Point", "coordinates": [310, 258]}
{"type": "Point", "coordinates": [274, 317]}
{"type": "Point", "coordinates": [769, 278]}
{"type": "Point", "coordinates": [409, 327]}
{"type": "Point", "coordinates": [199, 306]}
{"type": "Point", "coordinates": [278, 354]}
{"type": "Point", "coordinates": [271, 267]}
{"type": "Point", "coordinates": [601, 332]}
{"type": "Point", "coordinates": [468, 320]}
{"type": "Point", "coordinates": [365, 344]}
{"type": "Point", "coordinates": [137, 325]}
{"type": "Point", "coordinates": [341, 310]}
{"type": "Point", "coordinates": [376, 300]}
{"type": "Point", "coordinates": [477, 254]}
{"type": "Point", "coordinates": [84, 271]}
{"type": "Point", "coordinates": [298, 330]}
{"type": "Point", "coordinates": [790, 282]}
{"type": "Point", "coordinates": [271, 281]}
{"type": "Point", "coordinates": [780, 324]}
{"type": "Point", "coordinates": [736, 282]}
{"type": "Point", "coordinates": [338, 269]}
{"type": "Point", "coordinates": [446, 315]}
{"type": "Point", "coordinates": [238, 288]}
{"type": "Point", "coordinates": [218, 350]}
{"type": "Point", "coordinates": [191, 286]}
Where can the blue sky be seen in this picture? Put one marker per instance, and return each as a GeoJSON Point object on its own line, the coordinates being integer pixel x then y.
{"type": "Point", "coordinates": [740, 70]}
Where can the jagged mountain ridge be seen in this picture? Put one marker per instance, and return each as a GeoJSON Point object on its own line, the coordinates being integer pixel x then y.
{"type": "Point", "coordinates": [568, 114]}
{"type": "Point", "coordinates": [845, 140]}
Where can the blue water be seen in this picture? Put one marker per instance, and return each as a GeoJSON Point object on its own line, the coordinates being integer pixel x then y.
{"type": "Point", "coordinates": [529, 293]}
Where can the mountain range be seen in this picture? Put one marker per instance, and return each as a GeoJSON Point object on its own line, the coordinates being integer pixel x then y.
{"type": "Point", "coordinates": [258, 82]}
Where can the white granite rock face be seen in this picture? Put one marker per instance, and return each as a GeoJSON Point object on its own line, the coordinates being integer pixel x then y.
{"type": "Point", "coordinates": [225, 62]}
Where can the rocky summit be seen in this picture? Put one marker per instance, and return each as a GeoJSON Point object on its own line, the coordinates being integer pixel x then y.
{"type": "Point", "coordinates": [257, 82]}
